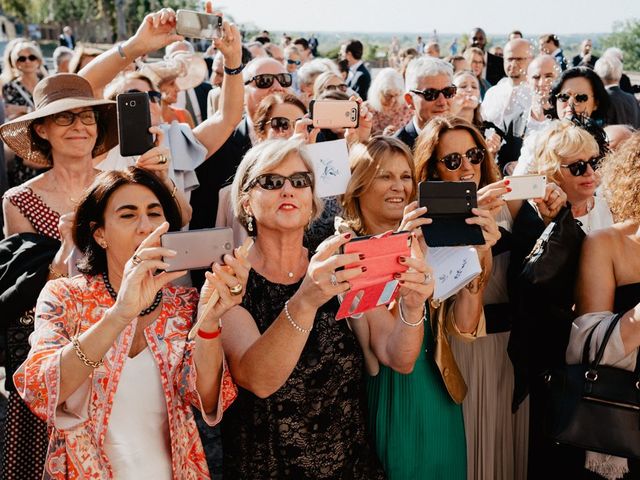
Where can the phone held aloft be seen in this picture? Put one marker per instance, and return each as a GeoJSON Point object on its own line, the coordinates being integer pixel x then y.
{"type": "Point", "coordinates": [197, 249]}
{"type": "Point", "coordinates": [449, 204]}
{"type": "Point", "coordinates": [198, 24]}
{"type": "Point", "coordinates": [334, 113]}
{"type": "Point", "coordinates": [525, 187]}
{"type": "Point", "coordinates": [134, 121]}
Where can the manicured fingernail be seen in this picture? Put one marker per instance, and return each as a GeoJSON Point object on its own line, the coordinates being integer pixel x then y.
{"type": "Point", "coordinates": [401, 282]}
{"type": "Point", "coordinates": [509, 189]}
{"type": "Point", "coordinates": [347, 236]}
{"type": "Point", "coordinates": [396, 276]}
{"type": "Point", "coordinates": [402, 259]}
{"type": "Point", "coordinates": [364, 269]}
{"type": "Point", "coordinates": [361, 256]}
{"type": "Point", "coordinates": [507, 182]}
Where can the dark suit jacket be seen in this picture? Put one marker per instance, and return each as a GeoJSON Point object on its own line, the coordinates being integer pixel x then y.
{"type": "Point", "coordinates": [624, 108]}
{"type": "Point", "coordinates": [577, 61]}
{"type": "Point", "coordinates": [408, 134]}
{"type": "Point", "coordinates": [495, 68]}
{"type": "Point", "coordinates": [218, 170]}
{"type": "Point", "coordinates": [202, 92]}
{"type": "Point", "coordinates": [63, 41]}
{"type": "Point", "coordinates": [562, 61]}
{"type": "Point", "coordinates": [361, 81]}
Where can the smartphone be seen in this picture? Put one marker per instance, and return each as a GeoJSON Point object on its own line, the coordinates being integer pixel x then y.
{"type": "Point", "coordinates": [334, 113]}
{"type": "Point", "coordinates": [448, 205]}
{"type": "Point", "coordinates": [197, 248]}
{"type": "Point", "coordinates": [524, 187]}
{"type": "Point", "coordinates": [198, 24]}
{"type": "Point", "coordinates": [134, 121]}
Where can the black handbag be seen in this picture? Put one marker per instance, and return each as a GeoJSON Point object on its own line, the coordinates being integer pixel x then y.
{"type": "Point", "coordinates": [596, 407]}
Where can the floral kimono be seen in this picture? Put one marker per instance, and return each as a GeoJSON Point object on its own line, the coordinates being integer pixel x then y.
{"type": "Point", "coordinates": [79, 425]}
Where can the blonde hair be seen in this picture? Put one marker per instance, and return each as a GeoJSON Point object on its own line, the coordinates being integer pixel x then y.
{"type": "Point", "coordinates": [620, 180]}
{"type": "Point", "coordinates": [262, 158]}
{"type": "Point", "coordinates": [562, 139]}
{"type": "Point", "coordinates": [365, 163]}
{"type": "Point", "coordinates": [322, 80]}
{"type": "Point", "coordinates": [12, 57]}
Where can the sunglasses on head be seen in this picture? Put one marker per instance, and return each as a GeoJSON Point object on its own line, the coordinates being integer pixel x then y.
{"type": "Point", "coordinates": [577, 98]}
{"type": "Point", "coordinates": [154, 96]}
{"type": "Point", "coordinates": [579, 168]}
{"type": "Point", "coordinates": [280, 123]}
{"type": "Point", "coordinates": [293, 62]}
{"type": "Point", "coordinates": [275, 181]}
{"type": "Point", "coordinates": [453, 161]}
{"type": "Point", "coordinates": [432, 94]}
{"type": "Point", "coordinates": [265, 80]}
{"type": "Point", "coordinates": [31, 58]}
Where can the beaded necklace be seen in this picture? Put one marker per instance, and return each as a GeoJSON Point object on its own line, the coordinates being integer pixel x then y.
{"type": "Point", "coordinates": [114, 295]}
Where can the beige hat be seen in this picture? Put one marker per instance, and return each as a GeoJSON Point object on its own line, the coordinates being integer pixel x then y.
{"type": "Point", "coordinates": [188, 69]}
{"type": "Point", "coordinates": [55, 94]}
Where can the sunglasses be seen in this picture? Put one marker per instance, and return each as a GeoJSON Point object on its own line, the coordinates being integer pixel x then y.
{"type": "Point", "coordinates": [453, 161]}
{"type": "Point", "coordinates": [31, 58]}
{"type": "Point", "coordinates": [342, 87]}
{"type": "Point", "coordinates": [293, 62]}
{"type": "Point", "coordinates": [579, 168]}
{"type": "Point", "coordinates": [577, 98]}
{"type": "Point", "coordinates": [154, 96]}
{"type": "Point", "coordinates": [265, 80]}
{"type": "Point", "coordinates": [274, 181]}
{"type": "Point", "coordinates": [64, 119]}
{"type": "Point", "coordinates": [432, 94]}
{"type": "Point", "coordinates": [280, 123]}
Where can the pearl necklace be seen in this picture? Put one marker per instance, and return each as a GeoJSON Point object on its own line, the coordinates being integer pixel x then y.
{"type": "Point", "coordinates": [146, 311]}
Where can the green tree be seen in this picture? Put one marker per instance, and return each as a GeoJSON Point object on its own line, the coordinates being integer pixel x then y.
{"type": "Point", "coordinates": [626, 36]}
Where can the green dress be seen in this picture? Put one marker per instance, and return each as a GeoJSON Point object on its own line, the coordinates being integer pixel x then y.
{"type": "Point", "coordinates": [418, 429]}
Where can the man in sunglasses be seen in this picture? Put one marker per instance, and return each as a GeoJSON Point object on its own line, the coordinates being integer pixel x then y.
{"type": "Point", "coordinates": [429, 94]}
{"type": "Point", "coordinates": [359, 78]}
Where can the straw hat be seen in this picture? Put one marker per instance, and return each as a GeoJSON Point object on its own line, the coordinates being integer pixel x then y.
{"type": "Point", "coordinates": [189, 70]}
{"type": "Point", "coordinates": [55, 94]}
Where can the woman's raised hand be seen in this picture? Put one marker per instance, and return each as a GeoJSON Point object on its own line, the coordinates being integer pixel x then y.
{"type": "Point", "coordinates": [140, 284]}
{"type": "Point", "coordinates": [490, 196]}
{"type": "Point", "coordinates": [365, 122]}
{"type": "Point", "coordinates": [416, 284]}
{"type": "Point", "coordinates": [490, 230]}
{"type": "Point", "coordinates": [554, 199]}
{"type": "Point", "coordinates": [158, 158]}
{"type": "Point", "coordinates": [230, 45]}
{"type": "Point", "coordinates": [413, 219]}
{"type": "Point", "coordinates": [323, 280]}
{"type": "Point", "coordinates": [156, 31]}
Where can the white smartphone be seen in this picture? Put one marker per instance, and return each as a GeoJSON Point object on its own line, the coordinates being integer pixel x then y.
{"type": "Point", "coordinates": [198, 24]}
{"type": "Point", "coordinates": [197, 248]}
{"type": "Point", "coordinates": [524, 187]}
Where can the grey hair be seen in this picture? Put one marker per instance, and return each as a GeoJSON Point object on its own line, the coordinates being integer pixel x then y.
{"type": "Point", "coordinates": [263, 158]}
{"type": "Point", "coordinates": [609, 69]}
{"type": "Point", "coordinates": [386, 80]}
{"type": "Point", "coordinates": [59, 54]}
{"type": "Point", "coordinates": [614, 52]}
{"type": "Point", "coordinates": [308, 72]}
{"type": "Point", "coordinates": [422, 67]}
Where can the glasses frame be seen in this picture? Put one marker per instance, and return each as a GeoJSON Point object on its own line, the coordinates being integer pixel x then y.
{"type": "Point", "coordinates": [293, 62]}
{"type": "Point", "coordinates": [564, 97]}
{"type": "Point", "coordinates": [579, 167]}
{"type": "Point", "coordinates": [55, 117]}
{"type": "Point", "coordinates": [284, 79]}
{"type": "Point", "coordinates": [31, 57]}
{"type": "Point", "coordinates": [343, 87]}
{"type": "Point", "coordinates": [448, 159]}
{"type": "Point", "coordinates": [306, 177]}
{"type": "Point", "coordinates": [432, 94]}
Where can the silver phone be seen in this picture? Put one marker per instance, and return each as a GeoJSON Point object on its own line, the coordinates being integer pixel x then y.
{"type": "Point", "coordinates": [198, 24]}
{"type": "Point", "coordinates": [524, 187]}
{"type": "Point", "coordinates": [197, 248]}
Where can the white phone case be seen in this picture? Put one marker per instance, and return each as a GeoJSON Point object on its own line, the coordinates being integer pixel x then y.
{"type": "Point", "coordinates": [525, 187]}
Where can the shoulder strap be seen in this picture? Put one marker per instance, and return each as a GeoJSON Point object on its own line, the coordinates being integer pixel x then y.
{"type": "Point", "coordinates": [603, 345]}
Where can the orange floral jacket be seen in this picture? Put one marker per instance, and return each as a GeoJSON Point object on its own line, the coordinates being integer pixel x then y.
{"type": "Point", "coordinates": [79, 425]}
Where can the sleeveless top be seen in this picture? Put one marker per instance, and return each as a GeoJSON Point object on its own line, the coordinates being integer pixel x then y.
{"type": "Point", "coordinates": [43, 219]}
{"type": "Point", "coordinates": [314, 425]}
{"type": "Point", "coordinates": [626, 297]}
{"type": "Point", "coordinates": [137, 442]}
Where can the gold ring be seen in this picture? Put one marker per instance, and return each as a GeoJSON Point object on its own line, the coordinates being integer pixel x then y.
{"type": "Point", "coordinates": [162, 159]}
{"type": "Point", "coordinates": [236, 289]}
{"type": "Point", "coordinates": [136, 260]}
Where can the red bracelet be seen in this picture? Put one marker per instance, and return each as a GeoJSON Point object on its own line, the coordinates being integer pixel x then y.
{"type": "Point", "coordinates": [209, 335]}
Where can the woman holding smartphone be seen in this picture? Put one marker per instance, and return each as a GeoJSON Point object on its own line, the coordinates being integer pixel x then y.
{"type": "Point", "coordinates": [110, 368]}
{"type": "Point", "coordinates": [300, 410]}
{"type": "Point", "coordinates": [411, 414]}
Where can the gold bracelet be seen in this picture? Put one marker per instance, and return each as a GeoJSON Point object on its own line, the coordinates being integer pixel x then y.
{"type": "Point", "coordinates": [82, 356]}
{"type": "Point", "coordinates": [174, 190]}
{"type": "Point", "coordinates": [55, 274]}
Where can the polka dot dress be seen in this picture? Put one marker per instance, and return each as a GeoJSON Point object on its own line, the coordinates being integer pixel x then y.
{"type": "Point", "coordinates": [25, 435]}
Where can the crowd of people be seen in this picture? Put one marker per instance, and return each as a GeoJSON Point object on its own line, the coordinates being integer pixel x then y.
{"type": "Point", "coordinates": [105, 378]}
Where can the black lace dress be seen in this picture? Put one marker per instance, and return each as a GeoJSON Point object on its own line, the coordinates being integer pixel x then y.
{"type": "Point", "coordinates": [314, 426]}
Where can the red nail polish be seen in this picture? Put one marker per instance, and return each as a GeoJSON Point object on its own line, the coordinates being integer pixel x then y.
{"type": "Point", "coordinates": [509, 189]}
{"type": "Point", "coordinates": [402, 259]}
{"type": "Point", "coordinates": [396, 276]}
{"type": "Point", "coordinates": [401, 282]}
{"type": "Point", "coordinates": [507, 182]}
{"type": "Point", "coordinates": [347, 236]}
{"type": "Point", "coordinates": [364, 269]}
{"type": "Point", "coordinates": [361, 256]}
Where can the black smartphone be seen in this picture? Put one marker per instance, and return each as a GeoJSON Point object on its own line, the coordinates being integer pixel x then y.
{"type": "Point", "coordinates": [134, 121]}
{"type": "Point", "coordinates": [197, 248]}
{"type": "Point", "coordinates": [448, 205]}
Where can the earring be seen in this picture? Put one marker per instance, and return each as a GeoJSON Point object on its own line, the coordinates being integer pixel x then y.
{"type": "Point", "coordinates": [103, 244]}
{"type": "Point", "coordinates": [250, 223]}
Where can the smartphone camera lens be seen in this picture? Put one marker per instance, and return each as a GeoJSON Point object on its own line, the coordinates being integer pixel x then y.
{"type": "Point", "coordinates": [227, 246]}
{"type": "Point", "coordinates": [132, 103]}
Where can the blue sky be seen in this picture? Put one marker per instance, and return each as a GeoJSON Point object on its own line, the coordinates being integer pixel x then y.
{"type": "Point", "coordinates": [447, 16]}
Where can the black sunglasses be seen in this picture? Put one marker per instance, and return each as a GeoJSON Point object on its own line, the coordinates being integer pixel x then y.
{"type": "Point", "coordinates": [154, 96]}
{"type": "Point", "coordinates": [31, 58]}
{"type": "Point", "coordinates": [280, 123]}
{"type": "Point", "coordinates": [432, 94]}
{"type": "Point", "coordinates": [579, 168]}
{"type": "Point", "coordinates": [275, 181]}
{"type": "Point", "coordinates": [293, 62]}
{"type": "Point", "coordinates": [453, 161]}
{"type": "Point", "coordinates": [343, 87]}
{"type": "Point", "coordinates": [577, 98]}
{"type": "Point", "coordinates": [265, 80]}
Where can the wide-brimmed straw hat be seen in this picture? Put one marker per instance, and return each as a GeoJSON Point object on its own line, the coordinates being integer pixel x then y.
{"type": "Point", "coordinates": [189, 70]}
{"type": "Point", "coordinates": [55, 94]}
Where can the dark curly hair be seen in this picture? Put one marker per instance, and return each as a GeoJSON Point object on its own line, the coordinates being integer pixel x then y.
{"type": "Point", "coordinates": [90, 213]}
